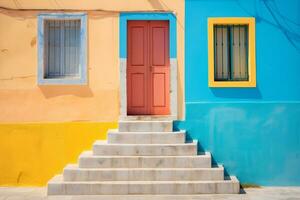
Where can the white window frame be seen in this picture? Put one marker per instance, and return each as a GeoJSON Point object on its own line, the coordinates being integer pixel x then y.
{"type": "Point", "coordinates": [82, 79]}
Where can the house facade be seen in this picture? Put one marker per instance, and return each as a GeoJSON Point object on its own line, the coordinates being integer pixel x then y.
{"type": "Point", "coordinates": [252, 126]}
{"type": "Point", "coordinates": [224, 71]}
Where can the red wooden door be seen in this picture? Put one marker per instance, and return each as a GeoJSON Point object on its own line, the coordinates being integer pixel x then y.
{"type": "Point", "coordinates": [148, 68]}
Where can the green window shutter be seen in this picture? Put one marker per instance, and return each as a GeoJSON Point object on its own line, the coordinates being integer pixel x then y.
{"type": "Point", "coordinates": [231, 52]}
{"type": "Point", "coordinates": [221, 53]}
{"type": "Point", "coordinates": [239, 51]}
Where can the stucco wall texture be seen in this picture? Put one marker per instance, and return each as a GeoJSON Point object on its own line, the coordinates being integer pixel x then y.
{"type": "Point", "coordinates": [32, 153]}
{"type": "Point", "coordinates": [254, 132]}
{"type": "Point", "coordinates": [23, 100]}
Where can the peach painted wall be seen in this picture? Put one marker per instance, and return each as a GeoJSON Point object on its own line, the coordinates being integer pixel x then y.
{"type": "Point", "coordinates": [22, 100]}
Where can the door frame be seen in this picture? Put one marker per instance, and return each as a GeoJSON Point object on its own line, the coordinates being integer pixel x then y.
{"type": "Point", "coordinates": [124, 17]}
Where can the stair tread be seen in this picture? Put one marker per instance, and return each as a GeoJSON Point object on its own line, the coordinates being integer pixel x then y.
{"type": "Point", "coordinates": [104, 142]}
{"type": "Point", "coordinates": [90, 154]}
{"type": "Point", "coordinates": [75, 166]}
{"type": "Point", "coordinates": [58, 179]}
{"type": "Point", "coordinates": [116, 131]}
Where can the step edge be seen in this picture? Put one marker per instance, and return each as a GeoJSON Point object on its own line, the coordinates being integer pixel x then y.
{"type": "Point", "coordinates": [117, 132]}
{"type": "Point", "coordinates": [141, 156]}
{"type": "Point", "coordinates": [141, 182]}
{"type": "Point", "coordinates": [100, 143]}
{"type": "Point", "coordinates": [77, 168]}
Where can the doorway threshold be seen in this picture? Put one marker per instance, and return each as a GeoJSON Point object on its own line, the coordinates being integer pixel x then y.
{"type": "Point", "coordinates": [147, 118]}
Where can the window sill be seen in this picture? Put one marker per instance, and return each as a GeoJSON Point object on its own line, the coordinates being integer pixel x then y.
{"type": "Point", "coordinates": [232, 84]}
{"type": "Point", "coordinates": [64, 81]}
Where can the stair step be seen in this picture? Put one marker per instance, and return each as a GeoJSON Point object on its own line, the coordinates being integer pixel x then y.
{"type": "Point", "coordinates": [88, 160]}
{"type": "Point", "coordinates": [74, 173]}
{"type": "Point", "coordinates": [57, 186]}
{"type": "Point", "coordinates": [116, 137]}
{"type": "Point", "coordinates": [147, 126]}
{"type": "Point", "coordinates": [103, 148]}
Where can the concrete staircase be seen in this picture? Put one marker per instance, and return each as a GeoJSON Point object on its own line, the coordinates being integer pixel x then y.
{"type": "Point", "coordinates": [143, 158]}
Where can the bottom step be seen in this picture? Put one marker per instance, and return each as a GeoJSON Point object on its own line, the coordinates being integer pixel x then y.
{"type": "Point", "coordinates": [57, 186]}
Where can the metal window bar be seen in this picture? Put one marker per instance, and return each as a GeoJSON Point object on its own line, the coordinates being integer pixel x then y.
{"type": "Point", "coordinates": [247, 52]}
{"type": "Point", "coordinates": [62, 47]}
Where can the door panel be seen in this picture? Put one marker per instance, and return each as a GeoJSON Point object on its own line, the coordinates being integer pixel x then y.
{"type": "Point", "coordinates": [138, 88]}
{"type": "Point", "coordinates": [148, 68]}
{"type": "Point", "coordinates": [159, 67]}
{"type": "Point", "coordinates": [137, 67]}
{"type": "Point", "coordinates": [158, 80]}
{"type": "Point", "coordinates": [158, 46]}
{"type": "Point", "coordinates": [137, 53]}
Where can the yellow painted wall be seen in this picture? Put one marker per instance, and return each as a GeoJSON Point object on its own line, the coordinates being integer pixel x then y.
{"type": "Point", "coordinates": [32, 150]}
{"type": "Point", "coordinates": [32, 153]}
{"type": "Point", "coordinates": [22, 100]}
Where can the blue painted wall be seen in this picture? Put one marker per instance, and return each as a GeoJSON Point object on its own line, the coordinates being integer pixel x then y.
{"type": "Point", "coordinates": [254, 132]}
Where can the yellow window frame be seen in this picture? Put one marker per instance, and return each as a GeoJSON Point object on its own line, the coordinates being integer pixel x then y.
{"type": "Point", "coordinates": [250, 21]}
